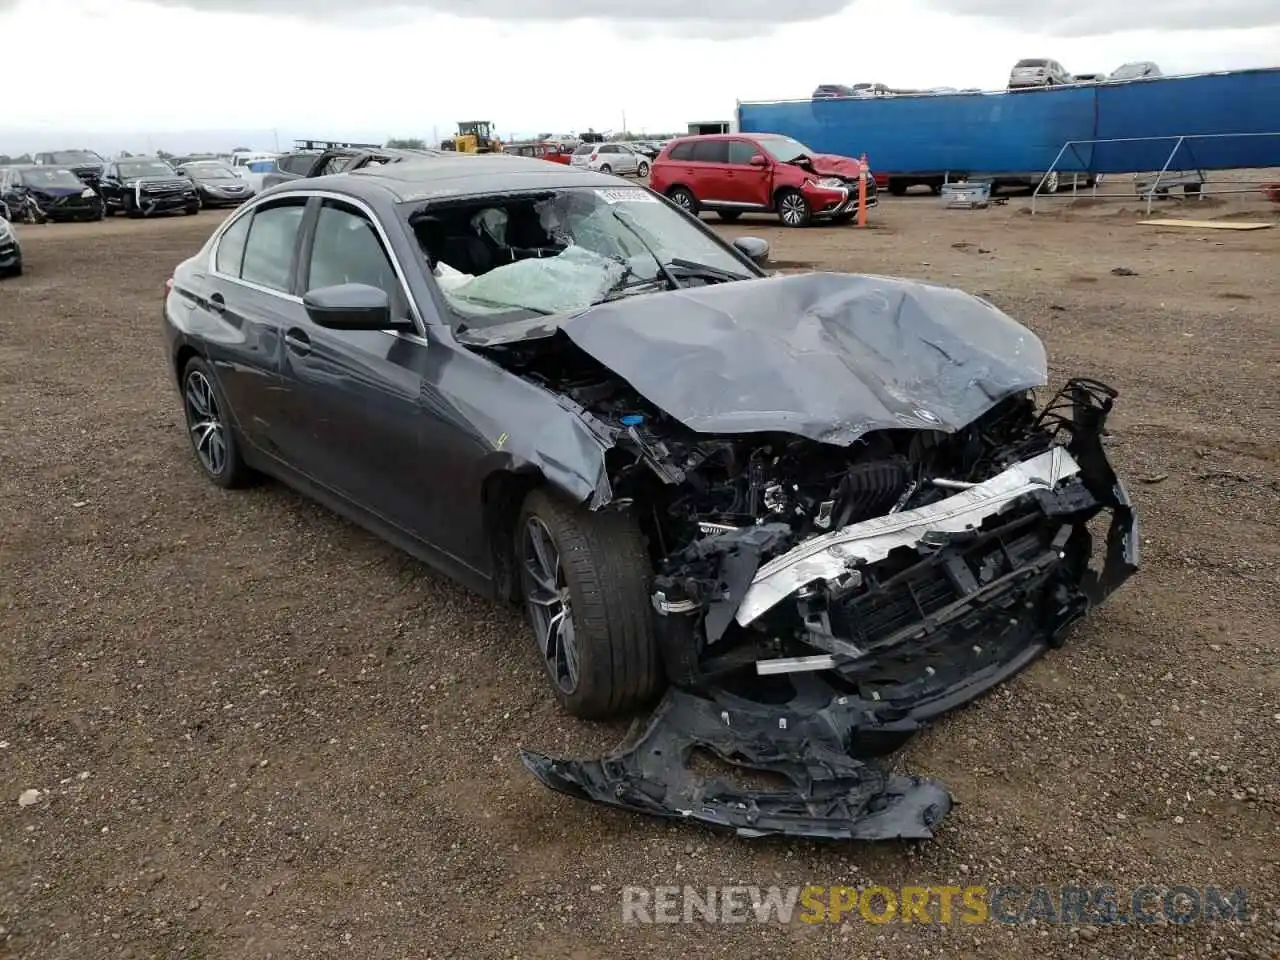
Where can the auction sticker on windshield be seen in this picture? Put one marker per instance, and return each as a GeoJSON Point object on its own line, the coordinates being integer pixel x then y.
{"type": "Point", "coordinates": [626, 195]}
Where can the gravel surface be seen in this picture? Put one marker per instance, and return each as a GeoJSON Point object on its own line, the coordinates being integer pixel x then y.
{"type": "Point", "coordinates": [233, 725]}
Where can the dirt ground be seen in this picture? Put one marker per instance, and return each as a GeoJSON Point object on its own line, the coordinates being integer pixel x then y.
{"type": "Point", "coordinates": [259, 732]}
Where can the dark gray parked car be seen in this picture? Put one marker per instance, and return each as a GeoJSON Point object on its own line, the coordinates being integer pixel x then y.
{"type": "Point", "coordinates": [818, 510]}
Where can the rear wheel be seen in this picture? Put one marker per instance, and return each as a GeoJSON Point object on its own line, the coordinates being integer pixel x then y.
{"type": "Point", "coordinates": [684, 199]}
{"type": "Point", "coordinates": [209, 427]}
{"type": "Point", "coordinates": [793, 209]}
{"type": "Point", "coordinates": [584, 578]}
{"type": "Point", "coordinates": [605, 168]}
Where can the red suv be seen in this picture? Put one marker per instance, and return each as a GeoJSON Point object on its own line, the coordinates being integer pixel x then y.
{"type": "Point", "coordinates": [734, 174]}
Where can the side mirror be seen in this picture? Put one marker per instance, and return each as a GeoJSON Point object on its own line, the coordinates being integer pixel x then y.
{"type": "Point", "coordinates": [349, 306]}
{"type": "Point", "coordinates": [759, 160]}
{"type": "Point", "coordinates": [754, 248]}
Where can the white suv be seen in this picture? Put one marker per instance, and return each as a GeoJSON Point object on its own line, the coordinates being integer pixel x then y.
{"type": "Point", "coordinates": [1038, 73]}
{"type": "Point", "coordinates": [610, 158]}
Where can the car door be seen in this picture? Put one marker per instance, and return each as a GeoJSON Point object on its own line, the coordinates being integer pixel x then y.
{"type": "Point", "coordinates": [711, 156]}
{"type": "Point", "coordinates": [109, 187]}
{"type": "Point", "coordinates": [744, 184]}
{"type": "Point", "coordinates": [628, 160]}
{"type": "Point", "coordinates": [248, 298]}
{"type": "Point", "coordinates": [355, 397]}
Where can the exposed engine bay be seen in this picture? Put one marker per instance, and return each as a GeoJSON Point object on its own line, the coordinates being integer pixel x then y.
{"type": "Point", "coordinates": [815, 603]}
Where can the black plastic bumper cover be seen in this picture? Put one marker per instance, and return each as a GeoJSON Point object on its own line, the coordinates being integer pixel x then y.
{"type": "Point", "coordinates": [830, 794]}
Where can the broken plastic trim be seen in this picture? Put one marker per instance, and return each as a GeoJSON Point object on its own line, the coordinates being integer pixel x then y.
{"type": "Point", "coordinates": [836, 554]}
{"type": "Point", "coordinates": [832, 795]}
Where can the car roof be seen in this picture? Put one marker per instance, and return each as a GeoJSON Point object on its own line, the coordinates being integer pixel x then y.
{"type": "Point", "coordinates": [457, 175]}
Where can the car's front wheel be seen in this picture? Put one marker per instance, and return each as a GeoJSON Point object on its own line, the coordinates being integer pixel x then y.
{"type": "Point", "coordinates": [584, 580]}
{"type": "Point", "coordinates": [793, 209]}
{"type": "Point", "coordinates": [209, 426]}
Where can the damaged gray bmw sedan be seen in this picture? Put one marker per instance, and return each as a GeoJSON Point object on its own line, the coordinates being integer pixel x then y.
{"type": "Point", "coordinates": [804, 514]}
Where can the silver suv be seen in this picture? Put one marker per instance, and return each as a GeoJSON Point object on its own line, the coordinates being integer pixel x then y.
{"type": "Point", "coordinates": [1038, 73]}
{"type": "Point", "coordinates": [616, 158]}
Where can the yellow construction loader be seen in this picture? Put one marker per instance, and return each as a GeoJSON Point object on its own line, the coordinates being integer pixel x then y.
{"type": "Point", "coordinates": [474, 136]}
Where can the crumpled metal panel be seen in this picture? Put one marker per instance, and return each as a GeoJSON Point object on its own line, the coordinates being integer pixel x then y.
{"type": "Point", "coordinates": [824, 356]}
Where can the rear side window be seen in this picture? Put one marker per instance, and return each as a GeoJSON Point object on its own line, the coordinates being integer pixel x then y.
{"type": "Point", "coordinates": [268, 249]}
{"type": "Point", "coordinates": [1032, 63]}
{"type": "Point", "coordinates": [682, 151]}
{"type": "Point", "coordinates": [231, 247]}
{"type": "Point", "coordinates": [711, 151]}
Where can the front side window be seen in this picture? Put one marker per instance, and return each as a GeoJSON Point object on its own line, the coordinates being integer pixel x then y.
{"type": "Point", "coordinates": [269, 246]}
{"type": "Point", "coordinates": [741, 152]}
{"type": "Point", "coordinates": [347, 249]}
{"type": "Point", "coordinates": [784, 149]}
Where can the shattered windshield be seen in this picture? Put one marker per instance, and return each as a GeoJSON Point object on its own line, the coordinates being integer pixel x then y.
{"type": "Point", "coordinates": [50, 177]}
{"type": "Point", "coordinates": [499, 258]}
{"type": "Point", "coordinates": [784, 149]}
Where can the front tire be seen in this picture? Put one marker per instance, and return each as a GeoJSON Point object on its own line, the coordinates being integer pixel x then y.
{"type": "Point", "coordinates": [209, 427]}
{"type": "Point", "coordinates": [584, 578]}
{"type": "Point", "coordinates": [793, 209]}
{"type": "Point", "coordinates": [192, 209]}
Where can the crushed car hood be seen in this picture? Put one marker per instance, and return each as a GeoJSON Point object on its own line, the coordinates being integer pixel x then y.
{"type": "Point", "coordinates": [825, 356]}
{"type": "Point", "coordinates": [830, 164]}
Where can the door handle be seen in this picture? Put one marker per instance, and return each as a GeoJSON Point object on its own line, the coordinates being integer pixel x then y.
{"type": "Point", "coordinates": [296, 339]}
{"type": "Point", "coordinates": [216, 303]}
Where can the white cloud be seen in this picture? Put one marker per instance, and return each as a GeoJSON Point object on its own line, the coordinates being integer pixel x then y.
{"type": "Point", "coordinates": [137, 68]}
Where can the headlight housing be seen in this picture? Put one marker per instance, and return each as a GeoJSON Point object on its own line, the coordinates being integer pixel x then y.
{"type": "Point", "coordinates": [87, 192]}
{"type": "Point", "coordinates": [6, 231]}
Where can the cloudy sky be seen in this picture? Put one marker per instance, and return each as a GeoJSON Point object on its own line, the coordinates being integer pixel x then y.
{"type": "Point", "coordinates": [144, 75]}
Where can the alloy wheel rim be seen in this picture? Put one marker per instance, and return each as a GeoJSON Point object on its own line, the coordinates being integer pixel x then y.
{"type": "Point", "coordinates": [1051, 183]}
{"type": "Point", "coordinates": [204, 421]}
{"type": "Point", "coordinates": [683, 200]}
{"type": "Point", "coordinates": [550, 608]}
{"type": "Point", "coordinates": [792, 210]}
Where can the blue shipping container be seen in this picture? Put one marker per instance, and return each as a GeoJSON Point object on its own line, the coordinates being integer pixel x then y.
{"type": "Point", "coordinates": [1023, 131]}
